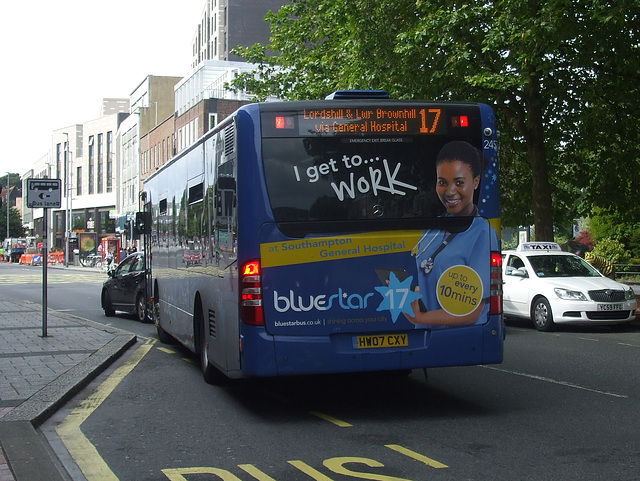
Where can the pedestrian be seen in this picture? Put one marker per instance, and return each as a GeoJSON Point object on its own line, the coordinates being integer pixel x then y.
{"type": "Point", "coordinates": [605, 267]}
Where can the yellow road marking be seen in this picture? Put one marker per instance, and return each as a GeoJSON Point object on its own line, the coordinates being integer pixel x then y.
{"type": "Point", "coordinates": [84, 454]}
{"type": "Point", "coordinates": [331, 419]}
{"type": "Point", "coordinates": [417, 456]}
{"type": "Point", "coordinates": [255, 472]}
{"type": "Point", "coordinates": [337, 465]}
{"type": "Point", "coordinates": [176, 474]}
{"type": "Point", "coordinates": [167, 350]}
{"type": "Point", "coordinates": [309, 471]}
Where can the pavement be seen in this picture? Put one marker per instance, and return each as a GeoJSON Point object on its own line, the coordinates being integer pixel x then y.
{"type": "Point", "coordinates": [39, 374]}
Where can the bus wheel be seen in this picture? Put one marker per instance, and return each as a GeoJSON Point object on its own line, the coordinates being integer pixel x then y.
{"type": "Point", "coordinates": [541, 315]}
{"type": "Point", "coordinates": [209, 372]}
{"type": "Point", "coordinates": [163, 336]}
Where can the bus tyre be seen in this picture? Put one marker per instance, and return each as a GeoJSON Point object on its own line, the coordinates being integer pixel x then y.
{"type": "Point", "coordinates": [109, 311]}
{"type": "Point", "coordinates": [163, 336]}
{"type": "Point", "coordinates": [210, 374]}
{"type": "Point", "coordinates": [541, 315]}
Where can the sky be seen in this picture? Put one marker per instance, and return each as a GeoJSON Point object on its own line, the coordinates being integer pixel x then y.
{"type": "Point", "coordinates": [59, 59]}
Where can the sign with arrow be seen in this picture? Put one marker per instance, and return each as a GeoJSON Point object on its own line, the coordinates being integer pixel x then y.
{"type": "Point", "coordinates": [44, 193]}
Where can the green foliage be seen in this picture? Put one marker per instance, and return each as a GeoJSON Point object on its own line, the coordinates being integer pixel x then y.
{"type": "Point", "coordinates": [612, 250]}
{"type": "Point", "coordinates": [562, 76]}
{"type": "Point", "coordinates": [511, 244]}
{"type": "Point", "coordinates": [16, 228]}
{"type": "Point", "coordinates": [15, 222]}
{"type": "Point", "coordinates": [616, 226]}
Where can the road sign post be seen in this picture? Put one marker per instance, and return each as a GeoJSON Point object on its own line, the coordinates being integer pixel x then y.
{"type": "Point", "coordinates": [44, 193]}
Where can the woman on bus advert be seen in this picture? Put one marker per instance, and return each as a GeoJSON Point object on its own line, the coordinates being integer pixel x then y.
{"type": "Point", "coordinates": [454, 267]}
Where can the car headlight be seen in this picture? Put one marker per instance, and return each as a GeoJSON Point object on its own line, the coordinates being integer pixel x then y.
{"type": "Point", "coordinates": [629, 294]}
{"type": "Point", "coordinates": [569, 294]}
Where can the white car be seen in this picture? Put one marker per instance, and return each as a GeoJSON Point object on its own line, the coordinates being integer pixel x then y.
{"type": "Point", "coordinates": [548, 285]}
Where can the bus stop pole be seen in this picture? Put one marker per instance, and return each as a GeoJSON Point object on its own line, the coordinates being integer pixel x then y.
{"type": "Point", "coordinates": [44, 275]}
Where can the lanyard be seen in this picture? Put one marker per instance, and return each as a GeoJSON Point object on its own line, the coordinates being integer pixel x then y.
{"type": "Point", "coordinates": [427, 264]}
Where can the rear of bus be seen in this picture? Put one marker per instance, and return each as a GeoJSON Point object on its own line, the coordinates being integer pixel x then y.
{"type": "Point", "coordinates": [330, 228]}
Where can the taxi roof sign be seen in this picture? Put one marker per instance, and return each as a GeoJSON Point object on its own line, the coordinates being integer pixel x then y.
{"type": "Point", "coordinates": [539, 246]}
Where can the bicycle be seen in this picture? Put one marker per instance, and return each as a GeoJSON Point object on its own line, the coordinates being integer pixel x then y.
{"type": "Point", "coordinates": [91, 260]}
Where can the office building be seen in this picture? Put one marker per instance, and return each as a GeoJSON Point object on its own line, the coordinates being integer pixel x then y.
{"type": "Point", "coordinates": [225, 24]}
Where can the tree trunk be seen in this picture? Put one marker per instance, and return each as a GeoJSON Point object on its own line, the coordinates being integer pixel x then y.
{"type": "Point", "coordinates": [541, 190]}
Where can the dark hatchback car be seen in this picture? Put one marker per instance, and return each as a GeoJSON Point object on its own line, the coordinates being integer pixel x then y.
{"type": "Point", "coordinates": [125, 289]}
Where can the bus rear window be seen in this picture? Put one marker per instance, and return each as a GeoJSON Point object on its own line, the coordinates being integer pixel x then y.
{"type": "Point", "coordinates": [361, 182]}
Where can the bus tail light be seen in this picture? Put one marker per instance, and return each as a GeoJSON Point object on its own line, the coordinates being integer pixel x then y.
{"type": "Point", "coordinates": [251, 310]}
{"type": "Point", "coordinates": [496, 283]}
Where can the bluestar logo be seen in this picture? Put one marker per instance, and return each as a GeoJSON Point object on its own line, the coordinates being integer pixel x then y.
{"type": "Point", "coordinates": [396, 298]}
{"type": "Point", "coordinates": [321, 302]}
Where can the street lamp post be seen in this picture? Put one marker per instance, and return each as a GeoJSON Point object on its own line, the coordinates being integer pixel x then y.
{"type": "Point", "coordinates": [67, 217]}
{"type": "Point", "coordinates": [7, 201]}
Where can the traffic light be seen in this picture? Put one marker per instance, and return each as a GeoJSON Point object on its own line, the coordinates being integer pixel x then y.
{"type": "Point", "coordinates": [143, 223]}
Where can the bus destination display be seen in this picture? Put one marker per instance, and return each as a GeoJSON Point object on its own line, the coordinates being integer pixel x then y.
{"type": "Point", "coordinates": [376, 120]}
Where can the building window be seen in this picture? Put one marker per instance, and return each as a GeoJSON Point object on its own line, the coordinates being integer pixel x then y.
{"type": "Point", "coordinates": [100, 163]}
{"type": "Point", "coordinates": [58, 160]}
{"type": "Point", "coordinates": [90, 163]}
{"type": "Point", "coordinates": [109, 161]}
{"type": "Point", "coordinates": [79, 181]}
{"type": "Point", "coordinates": [106, 223]}
{"type": "Point", "coordinates": [66, 165]}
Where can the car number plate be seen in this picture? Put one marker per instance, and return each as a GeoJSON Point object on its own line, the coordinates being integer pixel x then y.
{"type": "Point", "coordinates": [609, 307]}
{"type": "Point", "coordinates": [380, 340]}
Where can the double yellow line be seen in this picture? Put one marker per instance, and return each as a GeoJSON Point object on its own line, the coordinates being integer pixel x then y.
{"type": "Point", "coordinates": [84, 454]}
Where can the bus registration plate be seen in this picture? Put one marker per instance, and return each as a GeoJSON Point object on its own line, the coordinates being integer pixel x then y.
{"type": "Point", "coordinates": [380, 340]}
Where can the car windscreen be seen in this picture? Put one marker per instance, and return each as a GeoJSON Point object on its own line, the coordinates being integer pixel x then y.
{"type": "Point", "coordinates": [561, 266]}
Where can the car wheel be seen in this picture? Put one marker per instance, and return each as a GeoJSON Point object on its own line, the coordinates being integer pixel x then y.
{"type": "Point", "coordinates": [541, 314]}
{"type": "Point", "coordinates": [141, 313]}
{"type": "Point", "coordinates": [109, 311]}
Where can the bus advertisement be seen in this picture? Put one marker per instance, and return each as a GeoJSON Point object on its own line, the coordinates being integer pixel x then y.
{"type": "Point", "coordinates": [344, 235]}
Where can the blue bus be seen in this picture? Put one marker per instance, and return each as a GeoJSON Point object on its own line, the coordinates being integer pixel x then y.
{"type": "Point", "coordinates": [351, 234]}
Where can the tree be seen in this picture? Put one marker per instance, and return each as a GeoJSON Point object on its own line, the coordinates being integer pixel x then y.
{"type": "Point", "coordinates": [15, 222]}
{"type": "Point", "coordinates": [541, 64]}
{"type": "Point", "coordinates": [15, 219]}
{"type": "Point", "coordinates": [605, 149]}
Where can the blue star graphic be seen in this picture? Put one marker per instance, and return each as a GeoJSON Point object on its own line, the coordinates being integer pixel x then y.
{"type": "Point", "coordinates": [397, 298]}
